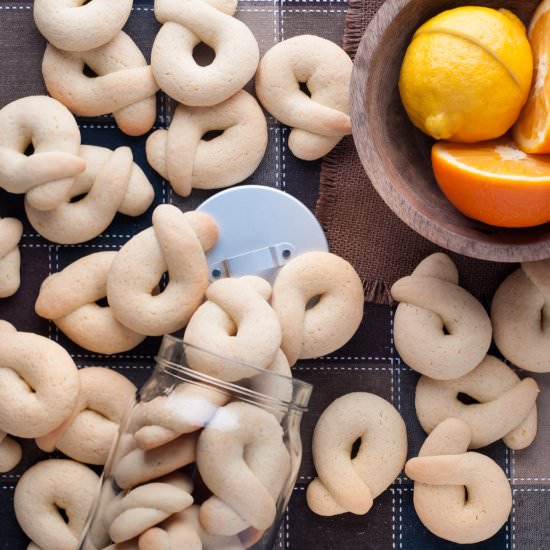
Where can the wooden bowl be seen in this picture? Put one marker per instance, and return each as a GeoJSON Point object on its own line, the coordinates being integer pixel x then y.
{"type": "Point", "coordinates": [396, 155]}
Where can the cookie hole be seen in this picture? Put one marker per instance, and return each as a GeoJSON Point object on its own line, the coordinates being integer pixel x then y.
{"type": "Point", "coordinates": [305, 89]}
{"type": "Point", "coordinates": [29, 150]}
{"type": "Point", "coordinates": [542, 320]}
{"type": "Point", "coordinates": [102, 302]}
{"type": "Point", "coordinates": [213, 134]}
{"type": "Point", "coordinates": [313, 302]}
{"type": "Point", "coordinates": [63, 514]}
{"type": "Point", "coordinates": [89, 72]}
{"type": "Point", "coordinates": [77, 198]}
{"type": "Point", "coordinates": [467, 399]}
{"type": "Point", "coordinates": [446, 331]}
{"type": "Point", "coordinates": [355, 448]}
{"type": "Point", "coordinates": [203, 54]}
{"type": "Point", "coordinates": [466, 496]}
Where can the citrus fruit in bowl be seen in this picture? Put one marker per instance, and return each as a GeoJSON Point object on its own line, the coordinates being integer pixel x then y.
{"type": "Point", "coordinates": [494, 182]}
{"type": "Point", "coordinates": [466, 74]}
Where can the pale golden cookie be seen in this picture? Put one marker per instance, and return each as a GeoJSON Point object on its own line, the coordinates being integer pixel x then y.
{"type": "Point", "coordinates": [505, 405]}
{"type": "Point", "coordinates": [440, 329]}
{"type": "Point", "coordinates": [181, 155]}
{"type": "Point", "coordinates": [69, 298]}
{"type": "Point", "coordinates": [186, 23]}
{"type": "Point", "coordinates": [176, 243]}
{"type": "Point", "coordinates": [39, 383]}
{"type": "Point", "coordinates": [236, 323]}
{"type": "Point", "coordinates": [348, 484]}
{"type": "Point", "coordinates": [521, 317]}
{"type": "Point", "coordinates": [310, 332]}
{"type": "Point", "coordinates": [47, 174]}
{"type": "Point", "coordinates": [10, 453]}
{"type": "Point", "coordinates": [89, 433]}
{"type": "Point", "coordinates": [246, 485]}
{"type": "Point", "coordinates": [78, 25]}
{"type": "Point", "coordinates": [112, 183]}
{"type": "Point", "coordinates": [11, 231]}
{"type": "Point", "coordinates": [318, 121]}
{"type": "Point", "coordinates": [460, 496]}
{"type": "Point", "coordinates": [43, 490]}
{"type": "Point", "coordinates": [124, 84]}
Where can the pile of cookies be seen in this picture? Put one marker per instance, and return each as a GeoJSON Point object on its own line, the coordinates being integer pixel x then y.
{"type": "Point", "coordinates": [465, 398]}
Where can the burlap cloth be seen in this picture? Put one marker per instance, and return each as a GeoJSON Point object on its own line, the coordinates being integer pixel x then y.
{"type": "Point", "coordinates": [359, 225]}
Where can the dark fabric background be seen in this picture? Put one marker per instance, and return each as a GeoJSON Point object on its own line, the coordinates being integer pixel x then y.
{"type": "Point", "coordinates": [368, 363]}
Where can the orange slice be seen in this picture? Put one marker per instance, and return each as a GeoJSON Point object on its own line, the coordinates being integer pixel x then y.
{"type": "Point", "coordinates": [532, 130]}
{"type": "Point", "coordinates": [494, 181]}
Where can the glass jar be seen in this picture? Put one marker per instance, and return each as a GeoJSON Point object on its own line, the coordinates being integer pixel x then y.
{"type": "Point", "coordinates": [201, 462]}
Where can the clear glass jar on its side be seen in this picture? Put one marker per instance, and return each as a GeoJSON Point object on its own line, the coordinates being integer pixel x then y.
{"type": "Point", "coordinates": [201, 462]}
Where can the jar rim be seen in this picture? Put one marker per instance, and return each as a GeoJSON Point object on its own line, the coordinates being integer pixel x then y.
{"type": "Point", "coordinates": [301, 391]}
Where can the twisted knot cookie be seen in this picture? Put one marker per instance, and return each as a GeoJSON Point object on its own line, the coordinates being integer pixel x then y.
{"type": "Point", "coordinates": [245, 485]}
{"type": "Point", "coordinates": [47, 174]}
{"type": "Point", "coordinates": [69, 298]}
{"type": "Point", "coordinates": [181, 155]}
{"type": "Point", "coordinates": [310, 332]}
{"type": "Point", "coordinates": [187, 409]}
{"type": "Point", "coordinates": [184, 530]}
{"type": "Point", "coordinates": [506, 406]}
{"type": "Point", "coordinates": [124, 84]}
{"type": "Point", "coordinates": [236, 323]}
{"type": "Point", "coordinates": [187, 23]}
{"type": "Point", "coordinates": [318, 122]}
{"type": "Point", "coordinates": [10, 453]}
{"type": "Point", "coordinates": [440, 329]}
{"type": "Point", "coordinates": [520, 313]}
{"type": "Point", "coordinates": [11, 231]}
{"type": "Point", "coordinates": [77, 25]}
{"type": "Point", "coordinates": [139, 466]}
{"type": "Point", "coordinates": [460, 496]}
{"type": "Point", "coordinates": [348, 484]}
{"type": "Point", "coordinates": [112, 183]}
{"type": "Point", "coordinates": [176, 243]}
{"type": "Point", "coordinates": [144, 507]}
{"type": "Point", "coordinates": [39, 383]}
{"type": "Point", "coordinates": [47, 488]}
{"type": "Point", "coordinates": [87, 436]}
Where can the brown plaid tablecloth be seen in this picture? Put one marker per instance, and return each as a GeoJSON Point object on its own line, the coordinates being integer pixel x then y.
{"type": "Point", "coordinates": [368, 363]}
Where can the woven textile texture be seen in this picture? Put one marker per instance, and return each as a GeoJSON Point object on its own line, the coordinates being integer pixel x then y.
{"type": "Point", "coordinates": [368, 363]}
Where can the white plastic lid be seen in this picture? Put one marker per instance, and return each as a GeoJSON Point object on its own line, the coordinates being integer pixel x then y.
{"type": "Point", "coordinates": [261, 229]}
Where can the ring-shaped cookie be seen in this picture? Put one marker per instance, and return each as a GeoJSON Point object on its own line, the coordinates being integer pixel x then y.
{"type": "Point", "coordinates": [181, 155]}
{"type": "Point", "coordinates": [346, 484]}
{"type": "Point", "coordinates": [88, 435]}
{"type": "Point", "coordinates": [176, 243]}
{"type": "Point", "coordinates": [78, 25]}
{"type": "Point", "coordinates": [440, 329]}
{"type": "Point", "coordinates": [310, 332]}
{"type": "Point", "coordinates": [44, 490]}
{"type": "Point", "coordinates": [187, 23]}
{"type": "Point", "coordinates": [187, 409]}
{"type": "Point", "coordinates": [235, 324]}
{"type": "Point", "coordinates": [131, 514]}
{"type": "Point", "coordinates": [39, 383]}
{"type": "Point", "coordinates": [112, 183]}
{"type": "Point", "coordinates": [246, 486]}
{"type": "Point", "coordinates": [11, 231]}
{"type": "Point", "coordinates": [460, 496]}
{"type": "Point", "coordinates": [185, 529]}
{"type": "Point", "coordinates": [138, 466]}
{"type": "Point", "coordinates": [319, 120]}
{"type": "Point", "coordinates": [124, 84]}
{"type": "Point", "coordinates": [69, 298]}
{"type": "Point", "coordinates": [47, 174]}
{"type": "Point", "coordinates": [520, 313]}
{"type": "Point", "coordinates": [505, 405]}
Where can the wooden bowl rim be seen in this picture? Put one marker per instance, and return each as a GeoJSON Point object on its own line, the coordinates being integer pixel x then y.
{"type": "Point", "coordinates": [400, 206]}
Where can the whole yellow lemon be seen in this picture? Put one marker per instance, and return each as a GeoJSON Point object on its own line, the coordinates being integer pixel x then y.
{"type": "Point", "coordinates": [467, 73]}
